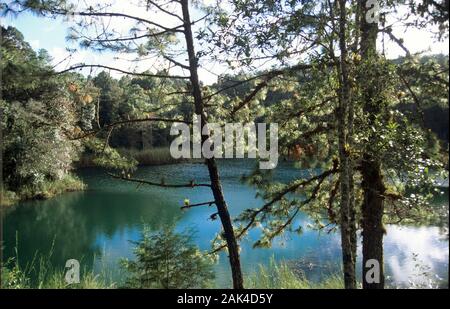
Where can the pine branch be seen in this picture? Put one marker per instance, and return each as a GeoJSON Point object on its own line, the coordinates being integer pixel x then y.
{"type": "Point", "coordinates": [278, 197]}
{"type": "Point", "coordinates": [317, 130]}
{"type": "Point", "coordinates": [301, 112]}
{"type": "Point", "coordinates": [267, 75]}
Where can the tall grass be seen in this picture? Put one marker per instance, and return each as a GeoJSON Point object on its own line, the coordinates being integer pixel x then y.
{"type": "Point", "coordinates": [281, 276]}
{"type": "Point", "coordinates": [50, 278]}
{"type": "Point", "coordinates": [41, 274]}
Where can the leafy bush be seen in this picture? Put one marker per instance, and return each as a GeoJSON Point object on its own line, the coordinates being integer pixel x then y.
{"type": "Point", "coordinates": [42, 116]}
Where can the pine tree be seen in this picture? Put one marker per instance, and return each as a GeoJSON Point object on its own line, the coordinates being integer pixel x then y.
{"type": "Point", "coordinates": [169, 260]}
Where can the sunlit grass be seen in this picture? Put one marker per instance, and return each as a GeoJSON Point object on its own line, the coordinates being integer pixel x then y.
{"type": "Point", "coordinates": [41, 274]}
{"type": "Point", "coordinates": [281, 276]}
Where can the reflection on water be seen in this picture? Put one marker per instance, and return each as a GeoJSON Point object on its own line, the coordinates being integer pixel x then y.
{"type": "Point", "coordinates": [414, 250]}
{"type": "Point", "coordinates": [96, 226]}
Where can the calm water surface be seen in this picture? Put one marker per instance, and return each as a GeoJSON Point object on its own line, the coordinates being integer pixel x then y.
{"type": "Point", "coordinates": [96, 226]}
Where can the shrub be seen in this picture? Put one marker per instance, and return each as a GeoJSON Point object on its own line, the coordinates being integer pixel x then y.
{"type": "Point", "coordinates": [168, 260]}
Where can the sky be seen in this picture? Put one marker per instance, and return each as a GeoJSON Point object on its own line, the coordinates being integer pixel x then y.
{"type": "Point", "coordinates": [51, 35]}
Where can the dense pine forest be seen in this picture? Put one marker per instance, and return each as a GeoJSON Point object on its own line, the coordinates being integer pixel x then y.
{"type": "Point", "coordinates": [362, 141]}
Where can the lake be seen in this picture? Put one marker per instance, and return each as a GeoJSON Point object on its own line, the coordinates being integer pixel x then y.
{"type": "Point", "coordinates": [97, 225]}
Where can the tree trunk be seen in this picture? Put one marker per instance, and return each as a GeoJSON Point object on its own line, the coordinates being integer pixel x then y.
{"type": "Point", "coordinates": [348, 259]}
{"type": "Point", "coordinates": [350, 126]}
{"type": "Point", "coordinates": [222, 208]}
{"type": "Point", "coordinates": [372, 221]}
{"type": "Point", "coordinates": [372, 180]}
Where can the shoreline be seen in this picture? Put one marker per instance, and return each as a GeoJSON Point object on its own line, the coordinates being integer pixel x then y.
{"type": "Point", "coordinates": [48, 190]}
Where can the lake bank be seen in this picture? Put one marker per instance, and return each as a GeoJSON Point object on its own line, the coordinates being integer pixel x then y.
{"type": "Point", "coordinates": [46, 190]}
{"type": "Point", "coordinates": [70, 182]}
{"type": "Point", "coordinates": [97, 225]}
{"type": "Point", "coordinates": [45, 276]}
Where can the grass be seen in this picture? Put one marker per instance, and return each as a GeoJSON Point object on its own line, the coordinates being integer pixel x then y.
{"type": "Point", "coordinates": [50, 278]}
{"type": "Point", "coordinates": [41, 274]}
{"type": "Point", "coordinates": [48, 189]}
{"type": "Point", "coordinates": [281, 276]}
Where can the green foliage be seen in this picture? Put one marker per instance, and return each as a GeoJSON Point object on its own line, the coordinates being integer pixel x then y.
{"type": "Point", "coordinates": [134, 98]}
{"type": "Point", "coordinates": [34, 150]}
{"type": "Point", "coordinates": [19, 65]}
{"type": "Point", "coordinates": [430, 12]}
{"type": "Point", "coordinates": [108, 157]}
{"type": "Point", "coordinates": [166, 259]}
{"type": "Point", "coordinates": [305, 104]}
{"type": "Point", "coordinates": [8, 198]}
{"type": "Point", "coordinates": [41, 112]}
{"type": "Point", "coordinates": [111, 96]}
{"type": "Point", "coordinates": [51, 188]}
{"type": "Point", "coordinates": [16, 278]}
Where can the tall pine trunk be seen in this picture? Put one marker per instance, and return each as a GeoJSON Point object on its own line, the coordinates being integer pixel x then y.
{"type": "Point", "coordinates": [222, 208]}
{"type": "Point", "coordinates": [346, 173]}
{"type": "Point", "coordinates": [372, 179]}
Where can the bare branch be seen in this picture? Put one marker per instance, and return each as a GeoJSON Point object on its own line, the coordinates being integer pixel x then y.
{"type": "Point", "coordinates": [397, 40]}
{"type": "Point", "coordinates": [112, 14]}
{"type": "Point", "coordinates": [192, 184]}
{"type": "Point", "coordinates": [81, 66]}
{"type": "Point", "coordinates": [164, 10]}
{"type": "Point", "coordinates": [184, 66]}
{"type": "Point", "coordinates": [251, 95]}
{"type": "Point", "coordinates": [121, 122]}
{"type": "Point", "coordinates": [132, 38]}
{"type": "Point", "coordinates": [199, 204]}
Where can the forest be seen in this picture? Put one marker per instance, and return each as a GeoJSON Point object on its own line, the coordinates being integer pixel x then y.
{"type": "Point", "coordinates": [92, 197]}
